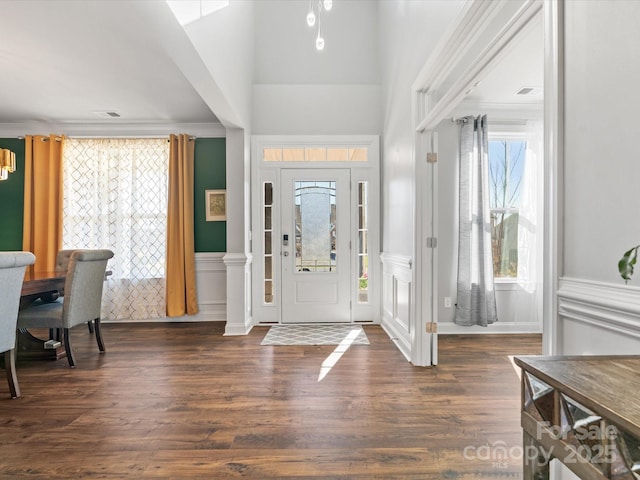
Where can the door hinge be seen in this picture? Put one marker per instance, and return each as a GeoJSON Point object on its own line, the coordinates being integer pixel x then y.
{"type": "Point", "coordinates": [432, 242]}
{"type": "Point", "coordinates": [432, 327]}
{"type": "Point", "coordinates": [432, 157]}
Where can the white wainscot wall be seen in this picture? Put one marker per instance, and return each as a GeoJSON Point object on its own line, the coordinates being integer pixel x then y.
{"type": "Point", "coordinates": [396, 300]}
{"type": "Point", "coordinates": [518, 312]}
{"type": "Point", "coordinates": [211, 282]}
{"type": "Point", "coordinates": [598, 318]}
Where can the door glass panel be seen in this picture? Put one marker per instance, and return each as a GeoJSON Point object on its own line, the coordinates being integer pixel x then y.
{"type": "Point", "coordinates": [267, 239]}
{"type": "Point", "coordinates": [315, 223]}
{"type": "Point", "coordinates": [363, 248]}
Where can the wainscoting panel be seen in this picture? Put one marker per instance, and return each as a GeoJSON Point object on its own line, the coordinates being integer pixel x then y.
{"type": "Point", "coordinates": [597, 318]}
{"type": "Point", "coordinates": [396, 300]}
{"type": "Point", "coordinates": [211, 281]}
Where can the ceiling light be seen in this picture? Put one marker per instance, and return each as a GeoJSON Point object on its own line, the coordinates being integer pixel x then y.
{"type": "Point", "coordinates": [328, 4]}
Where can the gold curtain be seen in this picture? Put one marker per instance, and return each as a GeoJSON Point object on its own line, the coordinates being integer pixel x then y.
{"type": "Point", "coordinates": [42, 228]}
{"type": "Point", "coordinates": [181, 271]}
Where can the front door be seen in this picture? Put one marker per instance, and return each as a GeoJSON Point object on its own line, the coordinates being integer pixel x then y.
{"type": "Point", "coordinates": [316, 226]}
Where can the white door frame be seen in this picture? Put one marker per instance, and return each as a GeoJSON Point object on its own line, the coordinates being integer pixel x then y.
{"type": "Point", "coordinates": [432, 104]}
{"type": "Point", "coordinates": [268, 172]}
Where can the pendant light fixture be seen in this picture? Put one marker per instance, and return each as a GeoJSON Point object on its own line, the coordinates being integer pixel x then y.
{"type": "Point", "coordinates": [313, 18]}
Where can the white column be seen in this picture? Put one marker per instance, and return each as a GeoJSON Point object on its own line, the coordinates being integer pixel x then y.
{"type": "Point", "coordinates": [238, 257]}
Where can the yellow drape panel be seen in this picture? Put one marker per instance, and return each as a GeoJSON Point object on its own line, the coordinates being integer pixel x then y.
{"type": "Point", "coordinates": [181, 271]}
{"type": "Point", "coordinates": [42, 229]}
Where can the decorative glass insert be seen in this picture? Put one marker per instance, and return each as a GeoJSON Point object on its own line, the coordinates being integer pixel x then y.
{"type": "Point", "coordinates": [267, 235]}
{"type": "Point", "coordinates": [538, 398]}
{"type": "Point", "coordinates": [629, 448]}
{"type": "Point", "coordinates": [315, 154]}
{"type": "Point", "coordinates": [363, 247]}
{"type": "Point", "coordinates": [315, 226]}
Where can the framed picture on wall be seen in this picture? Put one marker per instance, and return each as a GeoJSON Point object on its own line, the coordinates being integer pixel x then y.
{"type": "Point", "coordinates": [215, 205]}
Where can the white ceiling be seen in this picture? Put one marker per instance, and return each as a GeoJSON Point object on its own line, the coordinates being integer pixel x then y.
{"type": "Point", "coordinates": [64, 60]}
{"type": "Point", "coordinates": [522, 66]}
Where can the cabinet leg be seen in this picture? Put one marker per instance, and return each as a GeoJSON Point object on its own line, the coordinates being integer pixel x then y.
{"type": "Point", "coordinates": [535, 462]}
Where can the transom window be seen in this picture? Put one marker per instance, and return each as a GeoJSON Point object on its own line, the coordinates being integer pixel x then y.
{"type": "Point", "coordinates": [315, 154]}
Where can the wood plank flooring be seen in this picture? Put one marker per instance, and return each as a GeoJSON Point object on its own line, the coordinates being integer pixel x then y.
{"type": "Point", "coordinates": [180, 401]}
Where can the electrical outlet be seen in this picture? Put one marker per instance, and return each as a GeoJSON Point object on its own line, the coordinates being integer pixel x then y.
{"type": "Point", "coordinates": [447, 302]}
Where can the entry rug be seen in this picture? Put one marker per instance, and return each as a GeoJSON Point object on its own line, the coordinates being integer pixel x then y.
{"type": "Point", "coordinates": [315, 335]}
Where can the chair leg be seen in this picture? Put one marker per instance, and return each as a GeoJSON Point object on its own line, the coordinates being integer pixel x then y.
{"type": "Point", "coordinates": [90, 325]}
{"type": "Point", "coordinates": [99, 334]}
{"type": "Point", "coordinates": [67, 347]}
{"type": "Point", "coordinates": [10, 367]}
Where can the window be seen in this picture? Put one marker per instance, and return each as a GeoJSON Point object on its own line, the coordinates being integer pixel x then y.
{"type": "Point", "coordinates": [115, 196]}
{"type": "Point", "coordinates": [267, 228]}
{"type": "Point", "coordinates": [363, 248]}
{"type": "Point", "coordinates": [506, 172]}
{"type": "Point", "coordinates": [315, 154]}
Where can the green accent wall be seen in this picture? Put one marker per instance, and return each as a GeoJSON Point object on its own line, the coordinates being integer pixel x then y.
{"type": "Point", "coordinates": [210, 174]}
{"type": "Point", "coordinates": [12, 199]}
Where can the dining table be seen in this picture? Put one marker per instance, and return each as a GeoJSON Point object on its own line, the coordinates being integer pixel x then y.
{"type": "Point", "coordinates": [45, 286]}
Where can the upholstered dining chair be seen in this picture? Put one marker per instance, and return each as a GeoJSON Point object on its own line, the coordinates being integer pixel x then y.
{"type": "Point", "coordinates": [12, 268]}
{"type": "Point", "coordinates": [81, 302]}
{"type": "Point", "coordinates": [62, 265]}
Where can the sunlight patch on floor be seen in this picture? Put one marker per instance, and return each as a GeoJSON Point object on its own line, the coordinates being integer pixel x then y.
{"type": "Point", "coordinates": [335, 356]}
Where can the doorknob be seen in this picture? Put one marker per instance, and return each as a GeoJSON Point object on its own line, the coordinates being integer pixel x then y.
{"type": "Point", "coordinates": [285, 253]}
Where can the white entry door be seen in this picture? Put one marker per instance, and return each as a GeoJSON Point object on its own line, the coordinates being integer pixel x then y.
{"type": "Point", "coordinates": [315, 245]}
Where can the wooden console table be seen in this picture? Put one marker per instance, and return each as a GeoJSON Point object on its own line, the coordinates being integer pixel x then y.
{"type": "Point", "coordinates": [583, 411]}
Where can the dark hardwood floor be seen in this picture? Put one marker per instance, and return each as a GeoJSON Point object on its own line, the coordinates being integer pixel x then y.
{"type": "Point", "coordinates": [180, 401]}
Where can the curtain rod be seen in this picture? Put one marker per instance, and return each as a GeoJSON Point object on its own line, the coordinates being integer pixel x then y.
{"type": "Point", "coordinates": [59, 139]}
{"type": "Point", "coordinates": [497, 122]}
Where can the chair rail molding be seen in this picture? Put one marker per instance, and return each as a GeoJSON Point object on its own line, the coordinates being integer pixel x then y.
{"type": "Point", "coordinates": [609, 307]}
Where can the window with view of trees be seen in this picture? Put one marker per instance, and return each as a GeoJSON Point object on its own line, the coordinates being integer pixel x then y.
{"type": "Point", "coordinates": [506, 168]}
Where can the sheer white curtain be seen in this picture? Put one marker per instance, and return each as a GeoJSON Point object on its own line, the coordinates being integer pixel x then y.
{"type": "Point", "coordinates": [530, 235]}
{"type": "Point", "coordinates": [115, 196]}
{"type": "Point", "coordinates": [476, 301]}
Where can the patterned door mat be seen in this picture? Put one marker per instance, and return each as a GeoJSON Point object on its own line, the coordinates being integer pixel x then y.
{"type": "Point", "coordinates": [315, 335]}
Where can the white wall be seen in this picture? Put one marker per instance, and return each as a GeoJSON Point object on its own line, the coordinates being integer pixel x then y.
{"type": "Point", "coordinates": [409, 31]}
{"type": "Point", "coordinates": [225, 40]}
{"type": "Point", "coordinates": [602, 171]}
{"type": "Point", "coordinates": [598, 314]}
{"type": "Point", "coordinates": [301, 91]}
{"type": "Point", "coordinates": [316, 109]}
